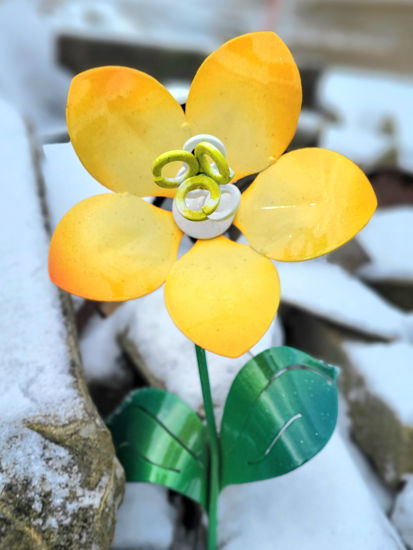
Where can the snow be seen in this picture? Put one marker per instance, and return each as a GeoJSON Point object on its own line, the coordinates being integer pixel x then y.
{"type": "Point", "coordinates": [323, 504]}
{"type": "Point", "coordinates": [361, 146]}
{"type": "Point", "coordinates": [99, 346]}
{"type": "Point", "coordinates": [29, 75]}
{"type": "Point", "coordinates": [178, 89]}
{"type": "Point", "coordinates": [388, 373]}
{"type": "Point", "coordinates": [374, 112]}
{"type": "Point", "coordinates": [145, 518]}
{"type": "Point", "coordinates": [328, 291]}
{"type": "Point", "coordinates": [402, 514]}
{"type": "Point", "coordinates": [387, 241]}
{"type": "Point", "coordinates": [67, 181]}
{"type": "Point", "coordinates": [31, 324]}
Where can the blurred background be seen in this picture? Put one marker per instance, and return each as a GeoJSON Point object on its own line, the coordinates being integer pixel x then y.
{"type": "Point", "coordinates": [352, 308]}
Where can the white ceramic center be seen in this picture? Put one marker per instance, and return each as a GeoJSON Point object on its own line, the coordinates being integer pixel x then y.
{"type": "Point", "coordinates": [218, 222]}
{"type": "Point", "coordinates": [221, 219]}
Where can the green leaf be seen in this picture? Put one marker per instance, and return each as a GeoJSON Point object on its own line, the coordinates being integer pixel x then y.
{"type": "Point", "coordinates": [159, 439]}
{"type": "Point", "coordinates": [281, 410]}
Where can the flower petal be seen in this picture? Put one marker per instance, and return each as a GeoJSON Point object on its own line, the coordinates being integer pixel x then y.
{"type": "Point", "coordinates": [113, 247]}
{"type": "Point", "coordinates": [248, 94]}
{"type": "Point", "coordinates": [119, 121]}
{"type": "Point", "coordinates": [222, 295]}
{"type": "Point", "coordinates": [308, 203]}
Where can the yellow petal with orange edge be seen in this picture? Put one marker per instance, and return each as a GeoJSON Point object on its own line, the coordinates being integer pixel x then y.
{"type": "Point", "coordinates": [248, 94]}
{"type": "Point", "coordinates": [119, 121]}
{"type": "Point", "coordinates": [113, 247]}
{"type": "Point", "coordinates": [223, 296]}
{"type": "Point", "coordinates": [308, 203]}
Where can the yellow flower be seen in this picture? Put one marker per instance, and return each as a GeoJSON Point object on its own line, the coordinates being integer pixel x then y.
{"type": "Point", "coordinates": [115, 246]}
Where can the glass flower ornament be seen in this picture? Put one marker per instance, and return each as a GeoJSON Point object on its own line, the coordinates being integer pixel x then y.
{"type": "Point", "coordinates": [136, 140]}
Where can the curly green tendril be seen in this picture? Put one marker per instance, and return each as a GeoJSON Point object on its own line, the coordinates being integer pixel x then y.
{"type": "Point", "coordinates": [201, 181]}
{"type": "Point", "coordinates": [192, 168]}
{"type": "Point", "coordinates": [198, 173]}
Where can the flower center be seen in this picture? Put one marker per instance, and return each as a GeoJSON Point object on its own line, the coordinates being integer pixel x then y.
{"type": "Point", "coordinates": [205, 202]}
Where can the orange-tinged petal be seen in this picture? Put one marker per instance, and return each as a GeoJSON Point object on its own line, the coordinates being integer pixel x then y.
{"type": "Point", "coordinates": [248, 94]}
{"type": "Point", "coordinates": [113, 247]}
{"type": "Point", "coordinates": [119, 121]}
{"type": "Point", "coordinates": [308, 203]}
{"type": "Point", "coordinates": [222, 295]}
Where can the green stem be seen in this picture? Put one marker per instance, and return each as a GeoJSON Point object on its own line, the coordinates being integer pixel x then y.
{"type": "Point", "coordinates": [213, 485]}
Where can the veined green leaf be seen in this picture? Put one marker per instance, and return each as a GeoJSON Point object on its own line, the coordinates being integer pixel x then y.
{"type": "Point", "coordinates": [159, 439]}
{"type": "Point", "coordinates": [281, 410]}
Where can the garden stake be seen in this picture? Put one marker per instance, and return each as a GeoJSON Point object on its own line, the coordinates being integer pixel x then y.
{"type": "Point", "coordinates": [240, 116]}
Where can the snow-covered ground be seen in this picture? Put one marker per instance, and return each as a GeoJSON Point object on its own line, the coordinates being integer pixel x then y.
{"type": "Point", "coordinates": [323, 504]}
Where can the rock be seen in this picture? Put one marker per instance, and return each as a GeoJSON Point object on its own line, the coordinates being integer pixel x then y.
{"type": "Point", "coordinates": [351, 256]}
{"type": "Point", "coordinates": [387, 242]}
{"type": "Point", "coordinates": [328, 292]}
{"type": "Point", "coordinates": [152, 37]}
{"type": "Point", "coordinates": [309, 126]}
{"type": "Point", "coordinates": [366, 33]}
{"type": "Point", "coordinates": [402, 513]}
{"type": "Point", "coordinates": [381, 408]}
{"type": "Point", "coordinates": [382, 493]}
{"type": "Point", "coordinates": [323, 504]}
{"type": "Point", "coordinates": [108, 374]}
{"type": "Point", "coordinates": [60, 483]}
{"type": "Point", "coordinates": [393, 187]}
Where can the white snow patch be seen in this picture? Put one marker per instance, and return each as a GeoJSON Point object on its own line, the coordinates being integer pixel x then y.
{"type": "Point", "coordinates": [145, 518]}
{"type": "Point", "coordinates": [361, 146]}
{"type": "Point", "coordinates": [99, 345]}
{"type": "Point", "coordinates": [402, 515]}
{"type": "Point", "coordinates": [388, 373]}
{"type": "Point", "coordinates": [29, 75]}
{"type": "Point", "coordinates": [328, 291]}
{"type": "Point", "coordinates": [67, 181]}
{"type": "Point", "coordinates": [387, 241]}
{"type": "Point", "coordinates": [323, 504]}
{"type": "Point", "coordinates": [373, 108]}
{"type": "Point", "coordinates": [179, 89]}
